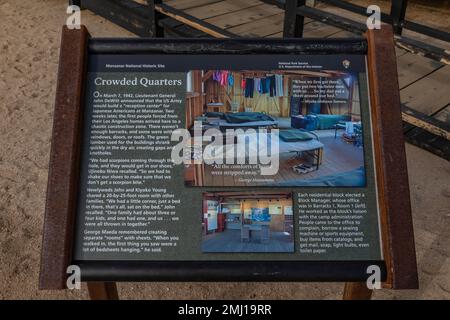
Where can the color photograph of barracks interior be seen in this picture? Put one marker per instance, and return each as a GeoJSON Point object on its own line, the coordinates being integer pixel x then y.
{"type": "Point", "coordinates": [247, 222]}
{"type": "Point", "coordinates": [320, 144]}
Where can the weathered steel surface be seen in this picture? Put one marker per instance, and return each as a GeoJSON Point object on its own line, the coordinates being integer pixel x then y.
{"type": "Point", "coordinates": [392, 175]}
{"type": "Point", "coordinates": [228, 46]}
{"type": "Point", "coordinates": [64, 161]}
{"type": "Point", "coordinates": [335, 271]}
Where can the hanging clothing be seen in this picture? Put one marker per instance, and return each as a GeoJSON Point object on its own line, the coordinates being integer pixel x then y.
{"type": "Point", "coordinates": [243, 83]}
{"type": "Point", "coordinates": [230, 79]}
{"type": "Point", "coordinates": [216, 75]}
{"type": "Point", "coordinates": [224, 78]}
{"type": "Point", "coordinates": [279, 84]}
{"type": "Point", "coordinates": [272, 86]}
{"type": "Point", "coordinates": [249, 87]}
{"type": "Point", "coordinates": [265, 85]}
{"type": "Point", "coordinates": [258, 84]}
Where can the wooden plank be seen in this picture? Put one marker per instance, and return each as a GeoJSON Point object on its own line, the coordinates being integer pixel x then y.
{"type": "Point", "coordinates": [188, 4]}
{"type": "Point", "coordinates": [399, 52]}
{"type": "Point", "coordinates": [276, 35]}
{"type": "Point", "coordinates": [412, 67]}
{"type": "Point", "coordinates": [232, 19]}
{"type": "Point", "coordinates": [223, 7]}
{"type": "Point", "coordinates": [429, 94]}
{"type": "Point", "coordinates": [316, 29]}
{"type": "Point", "coordinates": [344, 34]}
{"type": "Point", "coordinates": [425, 122]}
{"type": "Point", "coordinates": [194, 22]}
{"type": "Point", "coordinates": [174, 28]}
{"type": "Point", "coordinates": [444, 115]}
{"type": "Point", "coordinates": [260, 28]}
{"type": "Point", "coordinates": [264, 27]}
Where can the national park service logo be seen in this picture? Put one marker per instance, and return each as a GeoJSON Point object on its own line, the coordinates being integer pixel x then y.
{"type": "Point", "coordinates": [346, 64]}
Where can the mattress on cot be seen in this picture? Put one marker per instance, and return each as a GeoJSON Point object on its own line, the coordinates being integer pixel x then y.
{"type": "Point", "coordinates": [353, 178]}
{"type": "Point", "coordinates": [242, 117]}
{"type": "Point", "coordinates": [293, 135]}
{"type": "Point", "coordinates": [251, 146]}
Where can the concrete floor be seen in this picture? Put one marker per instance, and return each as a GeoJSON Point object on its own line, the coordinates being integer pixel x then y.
{"type": "Point", "coordinates": [230, 241]}
{"type": "Point", "coordinates": [30, 34]}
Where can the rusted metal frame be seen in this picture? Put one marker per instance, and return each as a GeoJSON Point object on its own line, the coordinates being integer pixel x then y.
{"type": "Point", "coordinates": [62, 185]}
{"type": "Point", "coordinates": [214, 270]}
{"type": "Point", "coordinates": [356, 291]}
{"type": "Point", "coordinates": [103, 291]}
{"type": "Point", "coordinates": [390, 156]}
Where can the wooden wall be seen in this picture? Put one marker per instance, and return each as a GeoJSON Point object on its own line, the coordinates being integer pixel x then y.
{"type": "Point", "coordinates": [195, 100]}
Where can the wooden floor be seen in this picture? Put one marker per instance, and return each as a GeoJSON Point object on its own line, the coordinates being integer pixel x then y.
{"type": "Point", "coordinates": [338, 157]}
{"type": "Point", "coordinates": [424, 83]}
{"type": "Point", "coordinates": [230, 241]}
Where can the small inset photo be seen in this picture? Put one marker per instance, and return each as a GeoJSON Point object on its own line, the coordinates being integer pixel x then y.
{"type": "Point", "coordinates": [260, 221]}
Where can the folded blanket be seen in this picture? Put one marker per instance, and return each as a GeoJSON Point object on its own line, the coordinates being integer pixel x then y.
{"type": "Point", "coordinates": [327, 121]}
{"type": "Point", "coordinates": [241, 117]}
{"type": "Point", "coordinates": [293, 135]}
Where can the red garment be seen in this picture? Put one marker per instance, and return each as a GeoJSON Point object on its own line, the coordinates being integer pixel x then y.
{"type": "Point", "coordinates": [224, 78]}
{"type": "Point", "coordinates": [243, 83]}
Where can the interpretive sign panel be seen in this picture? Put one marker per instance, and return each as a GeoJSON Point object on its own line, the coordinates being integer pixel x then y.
{"type": "Point", "coordinates": [293, 130]}
{"type": "Point", "coordinates": [222, 159]}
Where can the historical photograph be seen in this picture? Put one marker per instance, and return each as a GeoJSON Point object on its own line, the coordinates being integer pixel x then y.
{"type": "Point", "coordinates": [247, 222]}
{"type": "Point", "coordinates": [316, 116]}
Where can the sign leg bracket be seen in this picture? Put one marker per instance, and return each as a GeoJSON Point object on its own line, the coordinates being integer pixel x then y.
{"type": "Point", "coordinates": [103, 291]}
